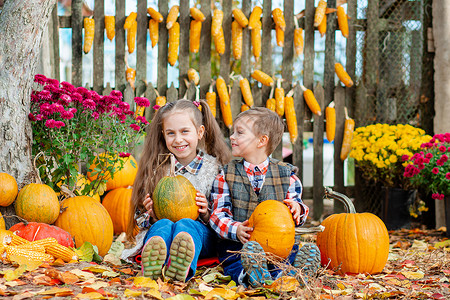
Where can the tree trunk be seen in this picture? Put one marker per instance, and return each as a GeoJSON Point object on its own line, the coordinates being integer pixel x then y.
{"type": "Point", "coordinates": [22, 23]}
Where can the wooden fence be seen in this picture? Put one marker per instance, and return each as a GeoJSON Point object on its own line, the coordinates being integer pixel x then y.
{"type": "Point", "coordinates": [325, 93]}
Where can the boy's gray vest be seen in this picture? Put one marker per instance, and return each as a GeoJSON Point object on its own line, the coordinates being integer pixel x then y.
{"type": "Point", "coordinates": [243, 197]}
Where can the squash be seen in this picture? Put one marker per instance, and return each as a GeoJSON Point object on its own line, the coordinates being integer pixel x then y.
{"type": "Point", "coordinates": [33, 231]}
{"type": "Point", "coordinates": [8, 189]}
{"type": "Point", "coordinates": [353, 242]}
{"type": "Point", "coordinates": [122, 178]}
{"type": "Point", "coordinates": [174, 197]}
{"type": "Point", "coordinates": [37, 202]}
{"type": "Point", "coordinates": [273, 227]}
{"type": "Point", "coordinates": [118, 204]}
{"type": "Point", "coordinates": [87, 221]}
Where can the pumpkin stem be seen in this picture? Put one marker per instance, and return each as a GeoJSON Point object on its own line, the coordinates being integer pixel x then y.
{"type": "Point", "coordinates": [14, 216]}
{"type": "Point", "coordinates": [342, 198]}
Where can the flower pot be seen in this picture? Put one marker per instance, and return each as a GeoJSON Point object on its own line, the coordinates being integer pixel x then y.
{"type": "Point", "coordinates": [395, 211]}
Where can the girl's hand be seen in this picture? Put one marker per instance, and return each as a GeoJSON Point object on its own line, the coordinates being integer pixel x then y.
{"type": "Point", "coordinates": [243, 232]}
{"type": "Point", "coordinates": [148, 204]}
{"type": "Point", "coordinates": [202, 204]}
{"type": "Point", "coordinates": [294, 206]}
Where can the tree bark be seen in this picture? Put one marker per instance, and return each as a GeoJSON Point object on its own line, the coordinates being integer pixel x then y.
{"type": "Point", "coordinates": [22, 23]}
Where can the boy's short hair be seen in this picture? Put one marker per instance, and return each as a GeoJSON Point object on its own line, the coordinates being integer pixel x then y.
{"type": "Point", "coordinates": [265, 122]}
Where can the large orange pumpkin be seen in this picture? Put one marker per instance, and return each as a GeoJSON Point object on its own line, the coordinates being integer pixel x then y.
{"type": "Point", "coordinates": [174, 197]}
{"type": "Point", "coordinates": [37, 202]}
{"type": "Point", "coordinates": [118, 204]}
{"type": "Point", "coordinates": [273, 227]}
{"type": "Point", "coordinates": [355, 242]}
{"type": "Point", "coordinates": [8, 189]}
{"type": "Point", "coordinates": [122, 178]}
{"type": "Point", "coordinates": [87, 221]}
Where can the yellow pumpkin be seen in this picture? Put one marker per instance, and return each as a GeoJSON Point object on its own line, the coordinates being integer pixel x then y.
{"type": "Point", "coordinates": [118, 204]}
{"type": "Point", "coordinates": [122, 178]}
{"type": "Point", "coordinates": [87, 221]}
{"type": "Point", "coordinates": [273, 227]}
{"type": "Point", "coordinates": [37, 202]}
{"type": "Point", "coordinates": [8, 189]}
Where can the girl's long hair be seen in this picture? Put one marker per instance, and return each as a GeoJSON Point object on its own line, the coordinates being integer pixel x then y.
{"type": "Point", "coordinates": [153, 164]}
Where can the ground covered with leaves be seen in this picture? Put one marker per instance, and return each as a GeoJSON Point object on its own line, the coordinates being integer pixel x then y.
{"type": "Point", "coordinates": [418, 268]}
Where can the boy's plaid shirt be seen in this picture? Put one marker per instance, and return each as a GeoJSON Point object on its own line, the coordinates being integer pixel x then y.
{"type": "Point", "coordinates": [221, 219]}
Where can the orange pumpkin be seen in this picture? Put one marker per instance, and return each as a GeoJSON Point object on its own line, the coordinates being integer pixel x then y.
{"type": "Point", "coordinates": [353, 242]}
{"type": "Point", "coordinates": [118, 204]}
{"type": "Point", "coordinates": [8, 189]}
{"type": "Point", "coordinates": [273, 227]}
{"type": "Point", "coordinates": [87, 221]}
{"type": "Point", "coordinates": [174, 197]}
{"type": "Point", "coordinates": [37, 202]}
{"type": "Point", "coordinates": [122, 178]}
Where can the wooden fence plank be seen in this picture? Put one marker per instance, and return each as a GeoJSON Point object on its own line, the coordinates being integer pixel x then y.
{"type": "Point", "coordinates": [288, 49]}
{"type": "Point", "coordinates": [150, 94]}
{"type": "Point", "coordinates": [330, 45]}
{"type": "Point", "coordinates": [339, 101]}
{"type": "Point", "coordinates": [54, 50]}
{"type": "Point", "coordinates": [246, 43]}
{"type": "Point", "coordinates": [309, 56]}
{"type": "Point", "coordinates": [205, 49]}
{"type": "Point", "coordinates": [183, 57]}
{"type": "Point", "coordinates": [318, 156]}
{"type": "Point", "coordinates": [120, 78]}
{"type": "Point", "coordinates": [141, 47]}
{"type": "Point", "coordinates": [266, 48]}
{"type": "Point", "coordinates": [77, 43]}
{"type": "Point", "coordinates": [99, 16]}
{"type": "Point", "coordinates": [225, 57]}
{"type": "Point", "coordinates": [235, 99]}
{"type": "Point", "coordinates": [172, 93]}
{"type": "Point", "coordinates": [350, 65]}
{"type": "Point", "coordinates": [297, 148]}
{"type": "Point", "coordinates": [163, 7]}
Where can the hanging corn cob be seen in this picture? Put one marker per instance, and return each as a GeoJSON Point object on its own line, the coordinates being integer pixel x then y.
{"type": "Point", "coordinates": [256, 41]}
{"type": "Point", "coordinates": [140, 110]}
{"type": "Point", "coordinates": [194, 36]}
{"type": "Point", "coordinates": [298, 38]}
{"type": "Point", "coordinates": [262, 77]}
{"type": "Point", "coordinates": [130, 75]}
{"type": "Point", "coordinates": [131, 37]}
{"type": "Point", "coordinates": [343, 75]}
{"type": "Point", "coordinates": [110, 27]}
{"type": "Point", "coordinates": [89, 29]}
{"type": "Point", "coordinates": [160, 101]}
{"type": "Point", "coordinates": [270, 103]}
{"type": "Point", "coordinates": [279, 99]}
{"type": "Point", "coordinates": [244, 107]}
{"type": "Point", "coordinates": [278, 18]}
{"type": "Point", "coordinates": [197, 14]}
{"type": "Point", "coordinates": [240, 17]}
{"type": "Point", "coordinates": [279, 34]}
{"type": "Point", "coordinates": [224, 99]}
{"type": "Point", "coordinates": [193, 76]}
{"type": "Point", "coordinates": [291, 117]}
{"type": "Point", "coordinates": [323, 26]}
{"type": "Point", "coordinates": [255, 17]}
{"type": "Point", "coordinates": [246, 91]}
{"type": "Point", "coordinates": [349, 127]}
{"type": "Point", "coordinates": [219, 41]}
{"type": "Point", "coordinates": [172, 16]}
{"type": "Point", "coordinates": [153, 29]}
{"type": "Point", "coordinates": [330, 115]}
{"type": "Point", "coordinates": [174, 42]}
{"type": "Point", "coordinates": [311, 101]}
{"type": "Point", "coordinates": [156, 15]}
{"type": "Point", "coordinates": [211, 100]}
{"type": "Point", "coordinates": [216, 23]}
{"type": "Point", "coordinates": [342, 21]}
{"type": "Point", "coordinates": [320, 12]}
{"type": "Point", "coordinates": [236, 38]}
{"type": "Point", "coordinates": [129, 20]}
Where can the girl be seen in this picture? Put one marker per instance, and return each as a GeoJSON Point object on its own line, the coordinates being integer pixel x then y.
{"type": "Point", "coordinates": [194, 138]}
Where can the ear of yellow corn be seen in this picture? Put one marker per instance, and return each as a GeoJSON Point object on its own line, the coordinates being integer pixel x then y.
{"type": "Point", "coordinates": [139, 111]}
{"type": "Point", "coordinates": [255, 17]}
{"type": "Point", "coordinates": [320, 12]}
{"type": "Point", "coordinates": [172, 16]}
{"type": "Point", "coordinates": [279, 36]}
{"type": "Point", "coordinates": [194, 36]}
{"type": "Point", "coordinates": [349, 127]}
{"type": "Point", "coordinates": [156, 15]}
{"type": "Point", "coordinates": [330, 115]}
{"type": "Point", "coordinates": [110, 27]}
{"type": "Point", "coordinates": [342, 21]}
{"type": "Point", "coordinates": [62, 252]}
{"type": "Point", "coordinates": [343, 75]}
{"type": "Point", "coordinates": [131, 37]}
{"type": "Point", "coordinates": [219, 41]}
{"type": "Point", "coordinates": [323, 26]}
{"type": "Point", "coordinates": [32, 247]}
{"type": "Point", "coordinates": [291, 118]}
{"type": "Point", "coordinates": [311, 101]}
{"type": "Point", "coordinates": [153, 28]}
{"type": "Point", "coordinates": [256, 42]}
{"type": "Point", "coordinates": [89, 29]}
{"type": "Point", "coordinates": [270, 104]}
{"type": "Point", "coordinates": [14, 240]}
{"type": "Point", "coordinates": [211, 100]}
{"type": "Point", "coordinates": [130, 75]}
{"type": "Point", "coordinates": [193, 76]}
{"type": "Point", "coordinates": [236, 38]}
{"type": "Point", "coordinates": [298, 41]}
{"type": "Point", "coordinates": [224, 98]}
{"type": "Point", "coordinates": [278, 18]}
{"type": "Point", "coordinates": [129, 20]}
{"type": "Point", "coordinates": [29, 254]}
{"type": "Point", "coordinates": [279, 99]}
{"type": "Point", "coordinates": [197, 14]}
{"type": "Point", "coordinates": [240, 17]}
{"type": "Point", "coordinates": [246, 91]}
{"type": "Point", "coordinates": [244, 107]}
{"type": "Point", "coordinates": [160, 101]}
{"type": "Point", "coordinates": [262, 77]}
{"type": "Point", "coordinates": [174, 43]}
{"type": "Point", "coordinates": [216, 23]}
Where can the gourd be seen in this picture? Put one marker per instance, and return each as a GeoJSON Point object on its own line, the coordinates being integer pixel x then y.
{"type": "Point", "coordinates": [87, 221]}
{"type": "Point", "coordinates": [355, 242]}
{"type": "Point", "coordinates": [33, 231]}
{"type": "Point", "coordinates": [37, 202]}
{"type": "Point", "coordinates": [118, 204]}
{"type": "Point", "coordinates": [273, 227]}
{"type": "Point", "coordinates": [174, 197]}
{"type": "Point", "coordinates": [8, 189]}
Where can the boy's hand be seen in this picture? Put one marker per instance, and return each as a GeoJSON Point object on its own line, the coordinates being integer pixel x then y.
{"type": "Point", "coordinates": [202, 204]}
{"type": "Point", "coordinates": [243, 232]}
{"type": "Point", "coordinates": [295, 209]}
{"type": "Point", "coordinates": [148, 204]}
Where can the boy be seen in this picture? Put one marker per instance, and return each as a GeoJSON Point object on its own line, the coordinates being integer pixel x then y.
{"type": "Point", "coordinates": [243, 184]}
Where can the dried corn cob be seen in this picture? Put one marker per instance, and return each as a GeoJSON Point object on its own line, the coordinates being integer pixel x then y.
{"type": "Point", "coordinates": [156, 15]}
{"type": "Point", "coordinates": [130, 75]}
{"type": "Point", "coordinates": [343, 75]}
{"type": "Point", "coordinates": [225, 106]}
{"type": "Point", "coordinates": [270, 103]}
{"type": "Point", "coordinates": [110, 27]}
{"type": "Point", "coordinates": [197, 14]}
{"type": "Point", "coordinates": [211, 100]}
{"type": "Point", "coordinates": [262, 77]}
{"type": "Point", "coordinates": [244, 107]}
{"type": "Point", "coordinates": [240, 17]}
{"type": "Point", "coordinates": [291, 117]}
{"type": "Point", "coordinates": [255, 17]}
{"type": "Point", "coordinates": [323, 26]}
{"type": "Point", "coordinates": [33, 255]}
{"type": "Point", "coordinates": [311, 101]}
{"type": "Point", "coordinates": [349, 127]}
{"type": "Point", "coordinates": [278, 18]}
{"type": "Point", "coordinates": [31, 246]}
{"type": "Point", "coordinates": [320, 12]}
{"type": "Point", "coordinates": [330, 116]}
{"type": "Point", "coordinates": [216, 24]}
{"type": "Point", "coordinates": [161, 101]}
{"type": "Point", "coordinates": [279, 99]}
{"type": "Point", "coordinates": [194, 36]}
{"type": "Point", "coordinates": [219, 41]}
{"type": "Point", "coordinates": [256, 41]}
{"type": "Point", "coordinates": [193, 76]}
{"type": "Point", "coordinates": [139, 111]}
{"type": "Point", "coordinates": [131, 37]}
{"type": "Point", "coordinates": [129, 20]}
{"type": "Point", "coordinates": [298, 38]}
{"type": "Point", "coordinates": [279, 36]}
{"type": "Point", "coordinates": [89, 29]}
{"type": "Point", "coordinates": [62, 252]}
{"type": "Point", "coordinates": [174, 43]}
{"type": "Point", "coordinates": [14, 240]}
{"type": "Point", "coordinates": [342, 21]}
{"type": "Point", "coordinates": [246, 91]}
{"type": "Point", "coordinates": [153, 28]}
{"type": "Point", "coordinates": [236, 38]}
{"type": "Point", "coordinates": [172, 16]}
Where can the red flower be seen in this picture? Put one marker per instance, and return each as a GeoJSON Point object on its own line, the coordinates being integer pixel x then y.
{"type": "Point", "coordinates": [123, 154]}
{"type": "Point", "coordinates": [447, 176]}
{"type": "Point", "coordinates": [435, 171]}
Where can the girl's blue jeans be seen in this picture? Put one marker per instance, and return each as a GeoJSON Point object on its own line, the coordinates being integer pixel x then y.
{"type": "Point", "coordinates": [203, 237]}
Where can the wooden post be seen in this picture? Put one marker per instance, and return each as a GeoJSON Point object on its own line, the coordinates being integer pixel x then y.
{"type": "Point", "coordinates": [141, 47]}
{"type": "Point", "coordinates": [77, 43]}
{"type": "Point", "coordinates": [99, 16]}
{"type": "Point", "coordinates": [318, 156]}
{"type": "Point", "coordinates": [120, 78]}
{"type": "Point", "coordinates": [183, 56]}
{"type": "Point", "coordinates": [205, 49]}
{"type": "Point", "coordinates": [163, 42]}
